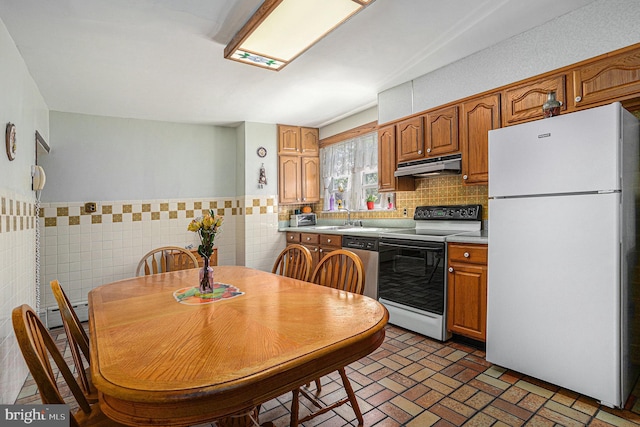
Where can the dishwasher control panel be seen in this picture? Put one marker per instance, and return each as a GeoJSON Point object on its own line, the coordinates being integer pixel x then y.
{"type": "Point", "coordinates": [362, 243]}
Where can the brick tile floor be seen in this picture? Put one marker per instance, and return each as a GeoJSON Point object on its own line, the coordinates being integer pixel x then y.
{"type": "Point", "coordinates": [414, 381]}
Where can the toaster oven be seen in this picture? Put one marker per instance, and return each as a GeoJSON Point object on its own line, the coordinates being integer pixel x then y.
{"type": "Point", "coordinates": [302, 220]}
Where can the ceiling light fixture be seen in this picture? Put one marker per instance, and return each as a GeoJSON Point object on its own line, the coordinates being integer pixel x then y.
{"type": "Point", "coordinates": [281, 30]}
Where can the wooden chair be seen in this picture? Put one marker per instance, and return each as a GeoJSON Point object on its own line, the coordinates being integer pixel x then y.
{"type": "Point", "coordinates": [166, 258]}
{"type": "Point", "coordinates": [78, 341]}
{"type": "Point", "coordinates": [339, 269]}
{"type": "Point", "coordinates": [37, 346]}
{"type": "Point", "coordinates": [294, 261]}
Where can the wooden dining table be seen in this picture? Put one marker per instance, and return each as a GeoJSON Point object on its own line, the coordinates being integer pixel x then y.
{"type": "Point", "coordinates": [157, 361]}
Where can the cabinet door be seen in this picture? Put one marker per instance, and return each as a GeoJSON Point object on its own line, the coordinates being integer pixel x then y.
{"type": "Point", "coordinates": [478, 117]}
{"type": "Point", "coordinates": [410, 139]}
{"type": "Point", "coordinates": [524, 103]}
{"type": "Point", "coordinates": [315, 255]}
{"type": "Point", "coordinates": [288, 139]}
{"type": "Point", "coordinates": [310, 179]}
{"type": "Point", "coordinates": [309, 141]}
{"type": "Point", "coordinates": [441, 131]}
{"type": "Point", "coordinates": [387, 163]}
{"type": "Point", "coordinates": [611, 79]}
{"type": "Point", "coordinates": [467, 300]}
{"type": "Point", "coordinates": [289, 179]}
{"type": "Point", "coordinates": [386, 158]}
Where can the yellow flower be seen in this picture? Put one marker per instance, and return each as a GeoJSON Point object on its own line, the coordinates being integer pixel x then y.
{"type": "Point", "coordinates": [208, 222]}
{"type": "Point", "coordinates": [194, 225]}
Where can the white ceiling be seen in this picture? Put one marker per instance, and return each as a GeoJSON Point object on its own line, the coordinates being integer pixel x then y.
{"type": "Point", "coordinates": [163, 59]}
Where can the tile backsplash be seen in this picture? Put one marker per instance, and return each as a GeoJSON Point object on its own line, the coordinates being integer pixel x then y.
{"type": "Point", "coordinates": [440, 190]}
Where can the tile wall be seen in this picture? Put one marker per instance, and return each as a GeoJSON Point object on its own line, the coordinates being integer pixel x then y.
{"type": "Point", "coordinates": [441, 190]}
{"type": "Point", "coordinates": [84, 250]}
{"type": "Point", "coordinates": [17, 282]}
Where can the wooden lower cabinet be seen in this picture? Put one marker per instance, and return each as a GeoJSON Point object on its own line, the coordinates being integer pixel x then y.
{"type": "Point", "coordinates": [318, 244]}
{"type": "Point", "coordinates": [467, 290]}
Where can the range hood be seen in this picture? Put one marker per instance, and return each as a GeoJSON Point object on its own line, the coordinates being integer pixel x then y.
{"type": "Point", "coordinates": [430, 167]}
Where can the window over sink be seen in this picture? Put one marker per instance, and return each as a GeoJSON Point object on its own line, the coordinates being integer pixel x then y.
{"type": "Point", "coordinates": [349, 171]}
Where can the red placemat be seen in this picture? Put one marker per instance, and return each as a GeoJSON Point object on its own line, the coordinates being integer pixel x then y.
{"type": "Point", "coordinates": [192, 295]}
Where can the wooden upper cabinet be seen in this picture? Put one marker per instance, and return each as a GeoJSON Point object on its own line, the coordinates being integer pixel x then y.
{"type": "Point", "coordinates": [387, 163]}
{"type": "Point", "coordinates": [615, 78]}
{"type": "Point", "coordinates": [478, 117]}
{"type": "Point", "coordinates": [288, 139]}
{"type": "Point", "coordinates": [441, 131]}
{"type": "Point", "coordinates": [298, 165]}
{"type": "Point", "coordinates": [310, 190]}
{"type": "Point", "coordinates": [386, 158]}
{"type": "Point", "coordinates": [289, 179]}
{"type": "Point", "coordinates": [410, 142]}
{"type": "Point", "coordinates": [524, 102]}
{"type": "Point", "coordinates": [298, 140]}
{"type": "Point", "coordinates": [309, 141]}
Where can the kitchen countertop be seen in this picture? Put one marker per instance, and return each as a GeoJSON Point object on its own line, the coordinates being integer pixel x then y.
{"type": "Point", "coordinates": [480, 237]}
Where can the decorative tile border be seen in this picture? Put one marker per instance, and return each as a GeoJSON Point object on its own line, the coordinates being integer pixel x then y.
{"type": "Point", "coordinates": [59, 214]}
{"type": "Point", "coordinates": [16, 215]}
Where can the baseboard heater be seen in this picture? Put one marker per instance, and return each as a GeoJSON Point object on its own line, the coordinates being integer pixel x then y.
{"type": "Point", "coordinates": [54, 319]}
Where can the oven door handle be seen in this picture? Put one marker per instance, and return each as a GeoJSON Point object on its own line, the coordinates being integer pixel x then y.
{"type": "Point", "coordinates": [394, 245]}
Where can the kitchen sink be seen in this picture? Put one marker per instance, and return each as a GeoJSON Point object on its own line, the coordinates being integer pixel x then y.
{"type": "Point", "coordinates": [350, 228]}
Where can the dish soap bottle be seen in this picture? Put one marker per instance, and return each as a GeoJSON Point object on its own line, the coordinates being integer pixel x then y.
{"type": "Point", "coordinates": [331, 202]}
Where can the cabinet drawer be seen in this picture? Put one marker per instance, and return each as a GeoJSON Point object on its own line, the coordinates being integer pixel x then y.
{"type": "Point", "coordinates": [293, 237]}
{"type": "Point", "coordinates": [331, 240]}
{"type": "Point", "coordinates": [308, 238]}
{"type": "Point", "coordinates": [476, 254]}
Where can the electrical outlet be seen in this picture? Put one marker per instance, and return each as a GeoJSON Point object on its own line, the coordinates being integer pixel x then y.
{"type": "Point", "coordinates": [90, 207]}
{"type": "Point", "coordinates": [405, 212]}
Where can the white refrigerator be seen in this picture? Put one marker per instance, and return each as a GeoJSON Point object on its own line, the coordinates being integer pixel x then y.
{"type": "Point", "coordinates": [562, 250]}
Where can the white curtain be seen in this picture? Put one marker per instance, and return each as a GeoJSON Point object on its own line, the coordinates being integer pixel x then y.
{"type": "Point", "coordinates": [348, 159]}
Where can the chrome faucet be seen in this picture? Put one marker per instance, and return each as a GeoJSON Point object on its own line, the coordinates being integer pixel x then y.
{"type": "Point", "coordinates": [348, 215]}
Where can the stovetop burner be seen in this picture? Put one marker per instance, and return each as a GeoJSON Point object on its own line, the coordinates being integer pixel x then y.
{"type": "Point", "coordinates": [435, 223]}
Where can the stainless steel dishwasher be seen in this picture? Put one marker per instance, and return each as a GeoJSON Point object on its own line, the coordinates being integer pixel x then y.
{"type": "Point", "coordinates": [367, 249]}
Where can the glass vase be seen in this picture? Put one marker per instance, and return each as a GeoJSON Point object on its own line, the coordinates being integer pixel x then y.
{"type": "Point", "coordinates": [206, 278]}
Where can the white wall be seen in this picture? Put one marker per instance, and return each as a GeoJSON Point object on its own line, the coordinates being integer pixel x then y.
{"type": "Point", "coordinates": [23, 105]}
{"type": "Point", "coordinates": [103, 158]}
{"type": "Point", "coordinates": [600, 27]}
{"type": "Point", "coordinates": [260, 237]}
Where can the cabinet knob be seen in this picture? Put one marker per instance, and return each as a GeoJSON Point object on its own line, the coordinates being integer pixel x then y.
{"type": "Point", "coordinates": [428, 150]}
{"type": "Point", "coordinates": [466, 254]}
{"type": "Point", "coordinates": [308, 238]}
{"type": "Point", "coordinates": [328, 240]}
{"type": "Point", "coordinates": [578, 98]}
{"type": "Point", "coordinates": [465, 177]}
{"type": "Point", "coordinates": [419, 151]}
{"type": "Point", "coordinates": [450, 269]}
{"type": "Point", "coordinates": [320, 250]}
{"type": "Point", "coordinates": [304, 199]}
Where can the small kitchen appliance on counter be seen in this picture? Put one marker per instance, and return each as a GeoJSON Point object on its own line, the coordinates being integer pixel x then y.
{"type": "Point", "coordinates": [302, 220]}
{"type": "Point", "coordinates": [411, 274]}
{"type": "Point", "coordinates": [562, 250]}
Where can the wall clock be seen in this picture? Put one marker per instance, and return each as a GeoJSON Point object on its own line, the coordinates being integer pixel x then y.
{"type": "Point", "coordinates": [262, 152]}
{"type": "Point", "coordinates": [10, 139]}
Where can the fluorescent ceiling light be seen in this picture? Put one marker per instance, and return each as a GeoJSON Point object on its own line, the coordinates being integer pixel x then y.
{"type": "Point", "coordinates": [280, 30]}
